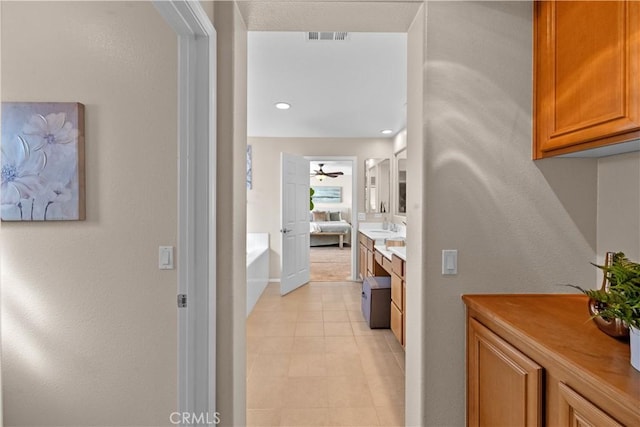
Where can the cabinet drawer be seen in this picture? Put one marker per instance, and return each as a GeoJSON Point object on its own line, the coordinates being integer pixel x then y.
{"type": "Point", "coordinates": [378, 257]}
{"type": "Point", "coordinates": [396, 291]}
{"type": "Point", "coordinates": [370, 244]}
{"type": "Point", "coordinates": [396, 322]}
{"type": "Point", "coordinates": [367, 242]}
{"type": "Point", "coordinates": [397, 264]}
{"type": "Point", "coordinates": [386, 264]}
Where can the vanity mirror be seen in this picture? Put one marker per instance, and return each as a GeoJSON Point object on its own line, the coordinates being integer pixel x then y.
{"type": "Point", "coordinates": [401, 183]}
{"type": "Point", "coordinates": [377, 186]}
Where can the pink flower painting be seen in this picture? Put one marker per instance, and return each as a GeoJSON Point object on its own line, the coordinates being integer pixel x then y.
{"type": "Point", "coordinates": [42, 161]}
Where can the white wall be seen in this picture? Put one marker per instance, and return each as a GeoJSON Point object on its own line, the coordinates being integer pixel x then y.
{"type": "Point", "coordinates": [518, 225]}
{"type": "Point", "coordinates": [89, 330]}
{"type": "Point", "coordinates": [344, 182]}
{"type": "Point", "coordinates": [619, 205]}
{"type": "Point", "coordinates": [263, 201]}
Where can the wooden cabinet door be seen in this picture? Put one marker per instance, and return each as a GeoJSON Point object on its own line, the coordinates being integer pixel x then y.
{"type": "Point", "coordinates": [396, 290]}
{"type": "Point", "coordinates": [396, 322]}
{"type": "Point", "coordinates": [504, 387]}
{"type": "Point", "coordinates": [576, 411]}
{"type": "Point", "coordinates": [363, 261]}
{"type": "Point", "coordinates": [404, 313]}
{"type": "Point", "coordinates": [370, 263]}
{"type": "Point", "coordinates": [587, 63]}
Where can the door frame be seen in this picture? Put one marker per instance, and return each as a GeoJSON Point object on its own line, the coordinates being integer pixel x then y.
{"type": "Point", "coordinates": [354, 205]}
{"type": "Point", "coordinates": [196, 247]}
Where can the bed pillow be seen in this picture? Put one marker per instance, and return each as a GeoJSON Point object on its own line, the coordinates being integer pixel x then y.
{"type": "Point", "coordinates": [335, 216]}
{"type": "Point", "coordinates": [319, 216]}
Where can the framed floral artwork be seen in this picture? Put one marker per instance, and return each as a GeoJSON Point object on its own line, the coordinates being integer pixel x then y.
{"type": "Point", "coordinates": [42, 161]}
{"type": "Point", "coordinates": [249, 168]}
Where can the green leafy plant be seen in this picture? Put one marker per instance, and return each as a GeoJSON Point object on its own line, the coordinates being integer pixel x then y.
{"type": "Point", "coordinates": [622, 299]}
{"type": "Point", "coordinates": [311, 193]}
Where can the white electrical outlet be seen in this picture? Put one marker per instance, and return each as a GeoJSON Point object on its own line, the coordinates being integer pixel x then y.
{"type": "Point", "coordinates": [449, 262]}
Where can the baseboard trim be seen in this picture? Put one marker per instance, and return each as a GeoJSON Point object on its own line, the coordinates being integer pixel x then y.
{"type": "Point", "coordinates": [274, 280]}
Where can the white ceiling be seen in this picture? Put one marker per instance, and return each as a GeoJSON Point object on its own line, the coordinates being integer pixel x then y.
{"type": "Point", "coordinates": [349, 89]}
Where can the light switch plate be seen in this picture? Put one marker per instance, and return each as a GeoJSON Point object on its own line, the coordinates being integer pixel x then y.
{"type": "Point", "coordinates": [165, 257]}
{"type": "Point", "coordinates": [449, 262]}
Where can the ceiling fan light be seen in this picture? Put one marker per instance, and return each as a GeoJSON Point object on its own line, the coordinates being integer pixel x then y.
{"type": "Point", "coordinates": [320, 177]}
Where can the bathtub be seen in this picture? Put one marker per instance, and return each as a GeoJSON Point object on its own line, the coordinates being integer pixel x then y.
{"type": "Point", "coordinates": [257, 267]}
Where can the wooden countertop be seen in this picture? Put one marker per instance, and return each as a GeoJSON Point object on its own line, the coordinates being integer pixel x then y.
{"type": "Point", "coordinates": [559, 326]}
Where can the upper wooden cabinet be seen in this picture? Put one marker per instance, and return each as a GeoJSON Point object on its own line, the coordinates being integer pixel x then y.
{"type": "Point", "coordinates": [586, 75]}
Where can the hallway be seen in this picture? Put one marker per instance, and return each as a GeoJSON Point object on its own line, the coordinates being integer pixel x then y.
{"type": "Point", "coordinates": [312, 361]}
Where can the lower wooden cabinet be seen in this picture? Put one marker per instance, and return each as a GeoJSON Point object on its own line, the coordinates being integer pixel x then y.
{"type": "Point", "coordinates": [537, 360]}
{"type": "Point", "coordinates": [362, 259]}
{"type": "Point", "coordinates": [396, 322]}
{"type": "Point", "coordinates": [505, 386]}
{"type": "Point", "coordinates": [575, 410]}
{"type": "Point", "coordinates": [398, 305]}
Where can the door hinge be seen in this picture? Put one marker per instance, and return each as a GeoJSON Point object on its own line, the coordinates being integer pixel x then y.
{"type": "Point", "coordinates": [182, 300]}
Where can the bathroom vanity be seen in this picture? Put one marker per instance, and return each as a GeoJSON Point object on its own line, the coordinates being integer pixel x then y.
{"type": "Point", "coordinates": [377, 258]}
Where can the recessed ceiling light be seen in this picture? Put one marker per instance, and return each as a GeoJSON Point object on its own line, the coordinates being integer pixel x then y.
{"type": "Point", "coordinates": [283, 105]}
{"type": "Point", "coordinates": [386, 131]}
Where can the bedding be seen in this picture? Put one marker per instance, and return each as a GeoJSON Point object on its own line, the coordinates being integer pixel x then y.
{"type": "Point", "coordinates": [317, 228]}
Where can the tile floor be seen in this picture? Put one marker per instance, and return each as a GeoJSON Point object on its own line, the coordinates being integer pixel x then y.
{"type": "Point", "coordinates": [313, 361]}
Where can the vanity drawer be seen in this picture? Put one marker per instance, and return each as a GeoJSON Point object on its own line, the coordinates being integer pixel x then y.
{"type": "Point", "coordinates": [386, 263]}
{"type": "Point", "coordinates": [378, 257]}
{"type": "Point", "coordinates": [398, 265]}
{"type": "Point", "coordinates": [370, 244]}
{"type": "Point", "coordinates": [362, 239]}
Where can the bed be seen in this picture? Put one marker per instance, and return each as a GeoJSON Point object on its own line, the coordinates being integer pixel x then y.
{"type": "Point", "coordinates": [328, 228]}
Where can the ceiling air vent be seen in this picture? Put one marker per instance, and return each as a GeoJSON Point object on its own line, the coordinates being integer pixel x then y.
{"type": "Point", "coordinates": [327, 35]}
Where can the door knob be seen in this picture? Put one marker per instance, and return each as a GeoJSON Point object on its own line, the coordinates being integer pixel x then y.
{"type": "Point", "coordinates": [285, 231]}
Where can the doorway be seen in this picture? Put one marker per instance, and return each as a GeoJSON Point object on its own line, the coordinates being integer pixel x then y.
{"type": "Point", "coordinates": [332, 258]}
{"type": "Point", "coordinates": [364, 16]}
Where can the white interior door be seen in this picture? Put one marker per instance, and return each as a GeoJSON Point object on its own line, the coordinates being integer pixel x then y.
{"type": "Point", "coordinates": [295, 222]}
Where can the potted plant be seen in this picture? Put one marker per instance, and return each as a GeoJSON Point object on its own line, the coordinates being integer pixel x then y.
{"type": "Point", "coordinates": [311, 193]}
{"type": "Point", "coordinates": [620, 299]}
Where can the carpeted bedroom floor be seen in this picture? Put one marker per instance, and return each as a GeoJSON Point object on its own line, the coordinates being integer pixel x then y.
{"type": "Point", "coordinates": [330, 263]}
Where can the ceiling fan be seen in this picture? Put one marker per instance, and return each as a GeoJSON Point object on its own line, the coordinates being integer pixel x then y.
{"type": "Point", "coordinates": [320, 174]}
